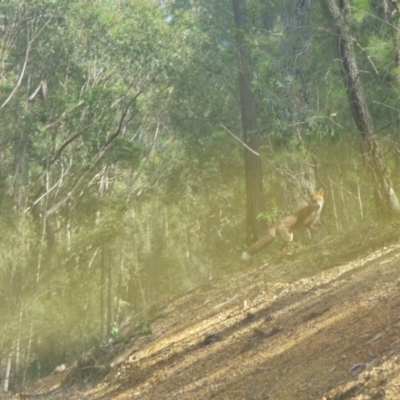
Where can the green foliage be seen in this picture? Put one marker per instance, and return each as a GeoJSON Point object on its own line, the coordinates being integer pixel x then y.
{"type": "Point", "coordinates": [145, 327]}
{"type": "Point", "coordinates": [120, 181]}
{"type": "Point", "coordinates": [273, 212]}
{"type": "Point", "coordinates": [114, 333]}
{"type": "Point", "coordinates": [381, 51]}
{"type": "Point", "coordinates": [360, 10]}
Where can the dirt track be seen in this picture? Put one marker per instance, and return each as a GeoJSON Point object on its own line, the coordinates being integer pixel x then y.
{"type": "Point", "coordinates": [288, 329]}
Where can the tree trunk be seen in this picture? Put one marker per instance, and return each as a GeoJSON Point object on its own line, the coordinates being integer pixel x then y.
{"type": "Point", "coordinates": [110, 310]}
{"type": "Point", "coordinates": [103, 295]}
{"type": "Point", "coordinates": [6, 382]}
{"type": "Point", "coordinates": [252, 162]}
{"type": "Point", "coordinates": [296, 44]}
{"type": "Point", "coordinates": [371, 151]}
{"type": "Point", "coordinates": [391, 15]}
{"type": "Point", "coordinates": [296, 48]}
{"type": "Point", "coordinates": [301, 181]}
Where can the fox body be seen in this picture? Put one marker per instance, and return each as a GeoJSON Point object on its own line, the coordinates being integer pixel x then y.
{"type": "Point", "coordinates": [306, 218]}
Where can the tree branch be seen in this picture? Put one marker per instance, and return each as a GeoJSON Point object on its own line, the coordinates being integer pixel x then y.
{"type": "Point", "coordinates": [97, 157]}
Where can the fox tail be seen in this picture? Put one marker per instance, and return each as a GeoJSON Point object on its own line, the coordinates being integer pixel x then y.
{"type": "Point", "coordinates": [257, 246]}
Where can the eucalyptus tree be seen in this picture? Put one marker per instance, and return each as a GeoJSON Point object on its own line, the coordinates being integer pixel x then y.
{"type": "Point", "coordinates": [84, 91]}
{"type": "Point", "coordinates": [371, 149]}
{"type": "Point", "coordinates": [252, 162]}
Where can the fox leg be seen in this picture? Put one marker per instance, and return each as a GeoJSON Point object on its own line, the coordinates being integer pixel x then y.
{"type": "Point", "coordinates": [312, 228]}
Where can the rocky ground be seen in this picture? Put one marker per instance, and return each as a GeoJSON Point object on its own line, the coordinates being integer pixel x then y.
{"type": "Point", "coordinates": [320, 323]}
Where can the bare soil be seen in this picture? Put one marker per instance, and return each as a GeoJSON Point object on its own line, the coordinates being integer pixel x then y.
{"type": "Point", "coordinates": [320, 323]}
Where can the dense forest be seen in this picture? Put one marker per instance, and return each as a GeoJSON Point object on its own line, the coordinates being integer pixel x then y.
{"type": "Point", "coordinates": [144, 143]}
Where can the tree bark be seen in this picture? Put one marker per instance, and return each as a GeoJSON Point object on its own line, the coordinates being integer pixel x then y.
{"type": "Point", "coordinates": [371, 151]}
{"type": "Point", "coordinates": [252, 162]}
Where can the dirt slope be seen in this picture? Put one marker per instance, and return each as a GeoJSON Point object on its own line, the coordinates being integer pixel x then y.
{"type": "Point", "coordinates": [322, 323]}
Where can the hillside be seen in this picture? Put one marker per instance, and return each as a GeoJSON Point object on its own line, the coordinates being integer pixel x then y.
{"type": "Point", "coordinates": [320, 323]}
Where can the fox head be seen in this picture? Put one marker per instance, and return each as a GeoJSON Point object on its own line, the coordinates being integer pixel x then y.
{"type": "Point", "coordinates": [316, 200]}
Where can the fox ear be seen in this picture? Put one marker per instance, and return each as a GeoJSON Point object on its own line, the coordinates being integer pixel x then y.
{"type": "Point", "coordinates": [321, 192]}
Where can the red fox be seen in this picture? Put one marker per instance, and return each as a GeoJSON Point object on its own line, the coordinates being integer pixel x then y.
{"type": "Point", "coordinates": [305, 218]}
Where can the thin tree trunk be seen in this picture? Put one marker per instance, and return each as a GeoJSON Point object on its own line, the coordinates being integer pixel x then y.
{"type": "Point", "coordinates": [252, 162]}
{"type": "Point", "coordinates": [119, 289]}
{"type": "Point", "coordinates": [110, 310]}
{"type": "Point", "coordinates": [103, 295]}
{"type": "Point", "coordinates": [28, 352]}
{"type": "Point", "coordinates": [337, 220]}
{"type": "Point", "coordinates": [7, 373]}
{"type": "Point", "coordinates": [18, 347]}
{"type": "Point", "coordinates": [371, 151]}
